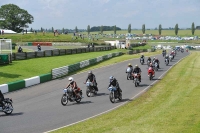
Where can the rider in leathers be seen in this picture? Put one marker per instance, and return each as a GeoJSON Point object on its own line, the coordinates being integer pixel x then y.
{"type": "Point", "coordinates": [92, 78]}
{"type": "Point", "coordinates": [157, 61]}
{"type": "Point", "coordinates": [73, 85]}
{"type": "Point", "coordinates": [167, 57]}
{"type": "Point", "coordinates": [149, 59]}
{"type": "Point", "coordinates": [142, 57]}
{"type": "Point", "coordinates": [138, 71]}
{"type": "Point", "coordinates": [114, 82]}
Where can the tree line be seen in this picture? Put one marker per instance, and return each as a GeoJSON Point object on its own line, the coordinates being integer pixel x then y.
{"type": "Point", "coordinates": [14, 18]}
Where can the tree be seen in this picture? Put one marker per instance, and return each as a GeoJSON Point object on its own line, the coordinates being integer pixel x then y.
{"type": "Point", "coordinates": [129, 28]}
{"type": "Point", "coordinates": [52, 29]}
{"type": "Point", "coordinates": [176, 29]}
{"type": "Point", "coordinates": [88, 29]}
{"type": "Point", "coordinates": [193, 28]}
{"type": "Point", "coordinates": [14, 18]}
{"type": "Point", "coordinates": [63, 30]}
{"type": "Point", "coordinates": [76, 29]}
{"type": "Point", "coordinates": [115, 29]}
{"type": "Point", "coordinates": [101, 29]}
{"type": "Point", "coordinates": [143, 28]}
{"type": "Point", "coordinates": [159, 29]}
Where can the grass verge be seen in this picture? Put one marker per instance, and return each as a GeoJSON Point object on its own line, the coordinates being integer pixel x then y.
{"type": "Point", "coordinates": [22, 69]}
{"type": "Point", "coordinates": [170, 106]}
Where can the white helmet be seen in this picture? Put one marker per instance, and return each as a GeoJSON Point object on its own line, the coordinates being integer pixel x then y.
{"type": "Point", "coordinates": [70, 79]}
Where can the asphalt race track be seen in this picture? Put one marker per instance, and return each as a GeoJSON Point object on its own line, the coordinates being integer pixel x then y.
{"type": "Point", "coordinates": [38, 108]}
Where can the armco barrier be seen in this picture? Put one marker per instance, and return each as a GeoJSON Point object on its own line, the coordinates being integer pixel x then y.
{"type": "Point", "coordinates": [58, 72]}
{"type": "Point", "coordinates": [32, 81]}
{"type": "Point", "coordinates": [4, 88]}
{"type": "Point", "coordinates": [13, 86]}
{"type": "Point", "coordinates": [100, 58]}
{"type": "Point", "coordinates": [93, 61]}
{"type": "Point", "coordinates": [45, 77]}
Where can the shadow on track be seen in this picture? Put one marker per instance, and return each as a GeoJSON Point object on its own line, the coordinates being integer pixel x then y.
{"type": "Point", "coordinates": [82, 102]}
{"type": "Point", "coordinates": [101, 94]}
{"type": "Point", "coordinates": [13, 114]}
{"type": "Point", "coordinates": [123, 100]}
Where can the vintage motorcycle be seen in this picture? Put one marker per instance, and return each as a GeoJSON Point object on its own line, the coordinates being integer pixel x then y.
{"type": "Point", "coordinates": [136, 79]}
{"type": "Point", "coordinates": [166, 62]}
{"type": "Point", "coordinates": [129, 71]}
{"type": "Point", "coordinates": [150, 73]}
{"type": "Point", "coordinates": [114, 94]}
{"type": "Point", "coordinates": [142, 61]}
{"type": "Point", "coordinates": [90, 90]}
{"type": "Point", "coordinates": [69, 95]}
{"type": "Point", "coordinates": [8, 108]}
{"type": "Point", "coordinates": [156, 66]}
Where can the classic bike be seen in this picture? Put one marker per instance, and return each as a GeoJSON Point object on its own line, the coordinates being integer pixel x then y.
{"type": "Point", "coordinates": [150, 73]}
{"type": "Point", "coordinates": [114, 94]}
{"type": "Point", "coordinates": [90, 90]}
{"type": "Point", "coordinates": [69, 95]}
{"type": "Point", "coordinates": [136, 79]}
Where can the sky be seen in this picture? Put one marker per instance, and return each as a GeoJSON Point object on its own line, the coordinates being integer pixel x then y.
{"type": "Point", "coordinates": [71, 13]}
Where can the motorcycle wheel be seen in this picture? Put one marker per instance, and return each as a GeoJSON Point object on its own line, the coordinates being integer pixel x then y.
{"type": "Point", "coordinates": [112, 97]}
{"type": "Point", "coordinates": [150, 76]}
{"type": "Point", "coordinates": [136, 83]}
{"type": "Point", "coordinates": [88, 93]}
{"type": "Point", "coordinates": [78, 100]}
{"type": "Point", "coordinates": [64, 100]}
{"type": "Point", "coordinates": [120, 96]}
{"type": "Point", "coordinates": [9, 107]}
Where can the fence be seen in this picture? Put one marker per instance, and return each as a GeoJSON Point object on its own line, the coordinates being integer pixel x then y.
{"type": "Point", "coordinates": [57, 52]}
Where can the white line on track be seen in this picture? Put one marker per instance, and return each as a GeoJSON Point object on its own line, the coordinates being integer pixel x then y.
{"type": "Point", "coordinates": [134, 97]}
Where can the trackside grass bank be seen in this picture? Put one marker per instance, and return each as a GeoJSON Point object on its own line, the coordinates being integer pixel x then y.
{"type": "Point", "coordinates": [170, 106]}
{"type": "Point", "coordinates": [22, 69]}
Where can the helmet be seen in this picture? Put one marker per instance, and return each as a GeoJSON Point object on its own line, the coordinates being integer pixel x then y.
{"type": "Point", "coordinates": [38, 44]}
{"type": "Point", "coordinates": [111, 78]}
{"type": "Point", "coordinates": [90, 72]}
{"type": "Point", "coordinates": [129, 64]}
{"type": "Point", "coordinates": [154, 57]}
{"type": "Point", "coordinates": [150, 64]}
{"type": "Point", "coordinates": [70, 79]}
{"type": "Point", "coordinates": [136, 66]}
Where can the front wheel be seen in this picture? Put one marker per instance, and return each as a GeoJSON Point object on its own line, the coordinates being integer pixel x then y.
{"type": "Point", "coordinates": [136, 84]}
{"type": "Point", "coordinates": [88, 93]}
{"type": "Point", "coordinates": [64, 100]}
{"type": "Point", "coordinates": [150, 76]}
{"type": "Point", "coordinates": [112, 97]}
{"type": "Point", "coordinates": [9, 108]}
{"type": "Point", "coordinates": [120, 96]}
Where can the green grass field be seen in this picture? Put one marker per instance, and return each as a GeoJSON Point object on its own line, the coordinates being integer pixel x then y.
{"type": "Point", "coordinates": [49, 37]}
{"type": "Point", "coordinates": [22, 69]}
{"type": "Point", "coordinates": [170, 106]}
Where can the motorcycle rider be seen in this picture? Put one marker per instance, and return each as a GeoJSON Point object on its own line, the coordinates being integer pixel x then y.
{"type": "Point", "coordinates": [151, 66]}
{"type": "Point", "coordinates": [167, 57]}
{"type": "Point", "coordinates": [158, 62]}
{"type": "Point", "coordinates": [92, 78]}
{"type": "Point", "coordinates": [73, 85]}
{"type": "Point", "coordinates": [149, 60]}
{"type": "Point", "coordinates": [131, 67]}
{"type": "Point", "coordinates": [1, 100]}
{"type": "Point", "coordinates": [114, 82]}
{"type": "Point", "coordinates": [142, 57]}
{"type": "Point", "coordinates": [39, 47]}
{"type": "Point", "coordinates": [138, 71]}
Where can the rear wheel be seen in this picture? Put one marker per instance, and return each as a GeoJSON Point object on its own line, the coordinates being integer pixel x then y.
{"type": "Point", "coordinates": [120, 96]}
{"type": "Point", "coordinates": [112, 97]}
{"type": "Point", "coordinates": [64, 100]}
{"type": "Point", "coordinates": [9, 108]}
{"type": "Point", "coordinates": [78, 100]}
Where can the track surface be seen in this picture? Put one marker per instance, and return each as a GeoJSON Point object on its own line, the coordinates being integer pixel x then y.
{"type": "Point", "coordinates": [38, 109]}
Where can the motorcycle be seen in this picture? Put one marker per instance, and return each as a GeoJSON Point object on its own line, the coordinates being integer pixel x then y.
{"type": "Point", "coordinates": [166, 62]}
{"type": "Point", "coordinates": [8, 108]}
{"type": "Point", "coordinates": [114, 94]}
{"type": "Point", "coordinates": [90, 91]}
{"type": "Point", "coordinates": [170, 58]}
{"type": "Point", "coordinates": [136, 79]}
{"type": "Point", "coordinates": [150, 73]}
{"type": "Point", "coordinates": [156, 66]}
{"type": "Point", "coordinates": [148, 63]}
{"type": "Point", "coordinates": [70, 96]}
{"type": "Point", "coordinates": [141, 61]}
{"type": "Point", "coordinates": [128, 71]}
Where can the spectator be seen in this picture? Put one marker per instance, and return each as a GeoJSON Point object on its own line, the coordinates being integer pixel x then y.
{"type": "Point", "coordinates": [39, 47]}
{"type": "Point", "coordinates": [2, 32]}
{"type": "Point", "coordinates": [26, 31]}
{"type": "Point", "coordinates": [93, 45]}
{"type": "Point", "coordinates": [20, 49]}
{"type": "Point", "coordinates": [88, 45]}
